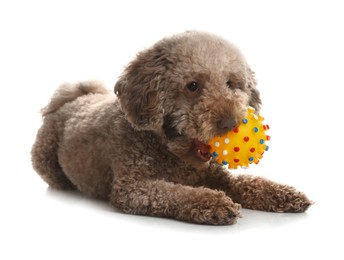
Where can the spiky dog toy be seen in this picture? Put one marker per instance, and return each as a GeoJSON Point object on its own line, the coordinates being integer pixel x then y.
{"type": "Point", "coordinates": [243, 145]}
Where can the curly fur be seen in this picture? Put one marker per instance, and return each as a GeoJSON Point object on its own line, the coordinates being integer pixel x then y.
{"type": "Point", "coordinates": [139, 150]}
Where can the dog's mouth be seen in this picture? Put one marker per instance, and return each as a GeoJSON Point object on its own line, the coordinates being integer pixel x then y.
{"type": "Point", "coordinates": [201, 150]}
{"type": "Point", "coordinates": [197, 149]}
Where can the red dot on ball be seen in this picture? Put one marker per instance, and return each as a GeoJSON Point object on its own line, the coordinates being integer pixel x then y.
{"type": "Point", "coordinates": [268, 137]}
{"type": "Point", "coordinates": [246, 138]}
{"type": "Point", "coordinates": [236, 130]}
{"type": "Point", "coordinates": [236, 160]}
{"type": "Point", "coordinates": [252, 150]}
{"type": "Point", "coordinates": [236, 149]}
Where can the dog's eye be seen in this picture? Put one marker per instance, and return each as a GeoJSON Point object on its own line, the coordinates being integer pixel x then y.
{"type": "Point", "coordinates": [192, 86]}
{"type": "Point", "coordinates": [230, 84]}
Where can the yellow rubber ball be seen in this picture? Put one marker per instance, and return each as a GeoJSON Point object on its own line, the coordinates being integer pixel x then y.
{"type": "Point", "coordinates": [244, 145]}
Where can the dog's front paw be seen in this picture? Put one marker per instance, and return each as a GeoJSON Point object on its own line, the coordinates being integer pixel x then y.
{"type": "Point", "coordinates": [215, 210]}
{"type": "Point", "coordinates": [289, 199]}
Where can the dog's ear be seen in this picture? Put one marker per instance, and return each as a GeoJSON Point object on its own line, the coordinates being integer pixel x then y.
{"type": "Point", "coordinates": [255, 100]}
{"type": "Point", "coordinates": [140, 90]}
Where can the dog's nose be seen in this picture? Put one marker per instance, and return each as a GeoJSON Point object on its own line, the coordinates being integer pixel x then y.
{"type": "Point", "coordinates": [226, 124]}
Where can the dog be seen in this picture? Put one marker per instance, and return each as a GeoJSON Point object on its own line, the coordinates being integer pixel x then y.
{"type": "Point", "coordinates": [145, 148]}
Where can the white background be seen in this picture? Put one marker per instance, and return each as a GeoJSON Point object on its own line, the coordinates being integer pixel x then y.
{"type": "Point", "coordinates": [296, 49]}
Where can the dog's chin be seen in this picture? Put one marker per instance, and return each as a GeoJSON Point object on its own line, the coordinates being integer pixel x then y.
{"type": "Point", "coordinates": [196, 161]}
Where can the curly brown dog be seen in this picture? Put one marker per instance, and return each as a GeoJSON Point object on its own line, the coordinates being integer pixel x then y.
{"type": "Point", "coordinates": [146, 151]}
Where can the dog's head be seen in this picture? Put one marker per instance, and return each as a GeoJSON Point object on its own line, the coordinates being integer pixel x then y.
{"type": "Point", "coordinates": [187, 89]}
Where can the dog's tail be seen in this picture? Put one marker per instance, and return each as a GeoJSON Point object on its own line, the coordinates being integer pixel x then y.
{"type": "Point", "coordinates": [68, 92]}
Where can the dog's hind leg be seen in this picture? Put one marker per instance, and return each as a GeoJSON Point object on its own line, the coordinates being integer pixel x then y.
{"type": "Point", "coordinates": [45, 160]}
